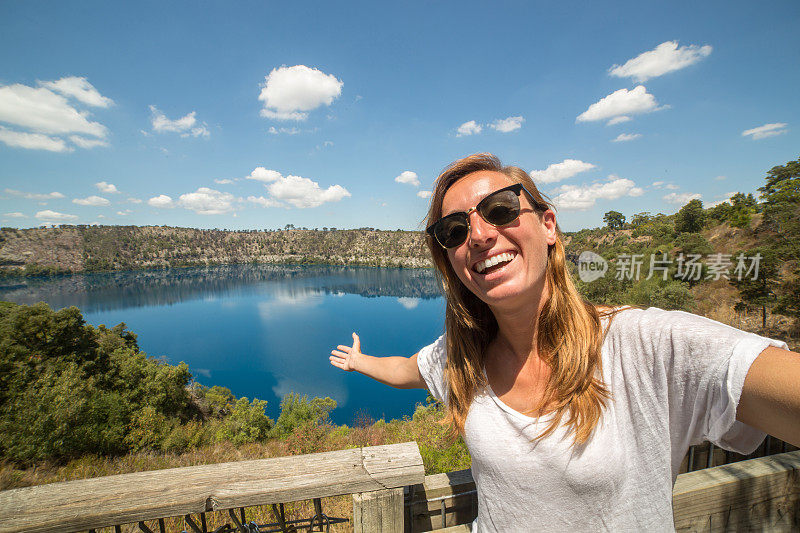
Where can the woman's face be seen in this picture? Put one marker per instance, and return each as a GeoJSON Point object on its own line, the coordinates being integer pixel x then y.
{"type": "Point", "coordinates": [519, 247]}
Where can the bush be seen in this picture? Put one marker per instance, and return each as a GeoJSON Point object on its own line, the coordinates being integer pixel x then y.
{"type": "Point", "coordinates": [247, 422]}
{"type": "Point", "coordinates": [297, 410]}
{"type": "Point", "coordinates": [67, 389]}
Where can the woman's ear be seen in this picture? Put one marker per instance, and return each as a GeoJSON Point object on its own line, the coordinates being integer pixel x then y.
{"type": "Point", "coordinates": [550, 226]}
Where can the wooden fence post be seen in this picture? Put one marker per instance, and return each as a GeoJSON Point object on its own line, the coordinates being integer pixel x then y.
{"type": "Point", "coordinates": [379, 510]}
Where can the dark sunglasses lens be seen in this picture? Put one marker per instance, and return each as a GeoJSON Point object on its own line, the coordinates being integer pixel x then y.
{"type": "Point", "coordinates": [451, 231]}
{"type": "Point", "coordinates": [500, 208]}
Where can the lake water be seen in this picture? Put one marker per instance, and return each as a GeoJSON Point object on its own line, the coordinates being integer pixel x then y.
{"type": "Point", "coordinates": [262, 330]}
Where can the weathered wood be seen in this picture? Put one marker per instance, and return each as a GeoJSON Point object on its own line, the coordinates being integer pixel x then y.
{"type": "Point", "coordinates": [121, 499]}
{"type": "Point", "coordinates": [455, 491]}
{"type": "Point", "coordinates": [380, 510]}
{"type": "Point", "coordinates": [761, 493]}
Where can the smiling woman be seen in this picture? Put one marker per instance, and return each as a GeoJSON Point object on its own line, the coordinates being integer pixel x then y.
{"type": "Point", "coordinates": [575, 415]}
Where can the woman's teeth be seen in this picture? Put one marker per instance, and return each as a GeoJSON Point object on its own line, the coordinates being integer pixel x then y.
{"type": "Point", "coordinates": [492, 261]}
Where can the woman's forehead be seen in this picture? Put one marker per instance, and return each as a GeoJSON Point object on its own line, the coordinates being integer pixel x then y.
{"type": "Point", "coordinates": [470, 189]}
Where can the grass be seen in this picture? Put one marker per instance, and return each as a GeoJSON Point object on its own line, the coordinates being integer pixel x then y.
{"type": "Point", "coordinates": [440, 453]}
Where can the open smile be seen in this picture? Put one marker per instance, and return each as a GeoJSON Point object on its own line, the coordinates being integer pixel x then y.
{"type": "Point", "coordinates": [495, 262]}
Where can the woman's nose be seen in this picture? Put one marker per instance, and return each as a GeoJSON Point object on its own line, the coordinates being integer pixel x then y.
{"type": "Point", "coordinates": [480, 231]}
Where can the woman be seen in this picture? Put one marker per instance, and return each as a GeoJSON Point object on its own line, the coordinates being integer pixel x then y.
{"type": "Point", "coordinates": [575, 417]}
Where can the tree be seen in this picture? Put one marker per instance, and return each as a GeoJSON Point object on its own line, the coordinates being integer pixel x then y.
{"type": "Point", "coordinates": [614, 219]}
{"type": "Point", "coordinates": [781, 226]}
{"type": "Point", "coordinates": [759, 292]}
{"type": "Point", "coordinates": [690, 218]}
{"type": "Point", "coordinates": [639, 219]}
{"type": "Point", "coordinates": [781, 197]}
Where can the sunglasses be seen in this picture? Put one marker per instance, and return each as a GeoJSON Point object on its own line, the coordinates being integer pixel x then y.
{"type": "Point", "coordinates": [498, 209]}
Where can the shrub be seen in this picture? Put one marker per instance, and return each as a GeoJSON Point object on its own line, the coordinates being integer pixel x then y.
{"type": "Point", "coordinates": [297, 410]}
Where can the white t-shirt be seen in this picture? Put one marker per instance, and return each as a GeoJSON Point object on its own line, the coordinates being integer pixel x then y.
{"type": "Point", "coordinates": [676, 379]}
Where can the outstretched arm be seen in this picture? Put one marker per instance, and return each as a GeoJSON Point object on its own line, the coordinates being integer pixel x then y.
{"type": "Point", "coordinates": [770, 398]}
{"type": "Point", "coordinates": [398, 372]}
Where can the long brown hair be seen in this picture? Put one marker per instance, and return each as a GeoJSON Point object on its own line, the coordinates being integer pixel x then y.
{"type": "Point", "coordinates": [570, 335]}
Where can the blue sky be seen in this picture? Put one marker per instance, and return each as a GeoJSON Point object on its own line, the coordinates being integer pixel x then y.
{"type": "Point", "coordinates": [252, 115]}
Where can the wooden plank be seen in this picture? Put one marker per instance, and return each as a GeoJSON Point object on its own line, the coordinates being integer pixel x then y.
{"type": "Point", "coordinates": [121, 499]}
{"type": "Point", "coordinates": [455, 490]}
{"type": "Point", "coordinates": [380, 510]}
{"type": "Point", "coordinates": [762, 491]}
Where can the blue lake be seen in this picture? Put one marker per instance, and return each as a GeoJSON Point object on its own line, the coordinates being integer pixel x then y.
{"type": "Point", "coordinates": [262, 330]}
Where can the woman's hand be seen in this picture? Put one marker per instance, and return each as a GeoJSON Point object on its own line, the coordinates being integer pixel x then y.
{"type": "Point", "coordinates": [345, 357]}
{"type": "Point", "coordinates": [398, 372]}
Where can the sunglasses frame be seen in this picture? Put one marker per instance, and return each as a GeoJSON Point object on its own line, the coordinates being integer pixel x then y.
{"type": "Point", "coordinates": [517, 189]}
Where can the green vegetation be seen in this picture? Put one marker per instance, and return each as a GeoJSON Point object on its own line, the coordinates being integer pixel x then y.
{"type": "Point", "coordinates": [70, 391]}
{"type": "Point", "coordinates": [46, 251]}
{"type": "Point", "coordinates": [731, 234]}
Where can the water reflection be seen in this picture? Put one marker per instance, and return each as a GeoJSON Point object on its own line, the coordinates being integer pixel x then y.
{"type": "Point", "coordinates": [264, 331]}
{"type": "Point", "coordinates": [121, 290]}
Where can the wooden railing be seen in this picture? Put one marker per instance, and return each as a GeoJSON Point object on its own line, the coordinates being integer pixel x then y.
{"type": "Point", "coordinates": [389, 489]}
{"type": "Point", "coordinates": [375, 476]}
{"type": "Point", "coordinates": [752, 495]}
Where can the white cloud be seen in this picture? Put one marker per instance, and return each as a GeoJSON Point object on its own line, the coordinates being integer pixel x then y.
{"type": "Point", "coordinates": [264, 174]}
{"type": "Point", "coordinates": [186, 125]}
{"type": "Point", "coordinates": [621, 103]}
{"type": "Point", "coordinates": [725, 198]}
{"type": "Point", "coordinates": [290, 92]}
{"type": "Point", "coordinates": [43, 111]}
{"type": "Point", "coordinates": [507, 125]}
{"type": "Point", "coordinates": [408, 303]}
{"type": "Point", "coordinates": [424, 194]}
{"type": "Point", "coordinates": [15, 214]}
{"type": "Point", "coordinates": [288, 131]}
{"type": "Point", "coordinates": [91, 200]}
{"type": "Point", "coordinates": [619, 120]}
{"type": "Point", "coordinates": [207, 201]}
{"type": "Point", "coordinates": [54, 216]}
{"type": "Point", "coordinates": [80, 89]}
{"type": "Point", "coordinates": [468, 128]}
{"type": "Point", "coordinates": [767, 130]}
{"type": "Point", "coordinates": [658, 184]}
{"type": "Point", "coordinates": [720, 178]}
{"type": "Point", "coordinates": [135, 200]}
{"type": "Point", "coordinates": [681, 198]}
{"type": "Point", "coordinates": [108, 188]}
{"type": "Point", "coordinates": [664, 58]}
{"type": "Point", "coordinates": [264, 202]}
{"type": "Point", "coordinates": [32, 141]}
{"type": "Point", "coordinates": [124, 213]}
{"type": "Point", "coordinates": [408, 177]}
{"type": "Point", "coordinates": [579, 198]}
{"type": "Point", "coordinates": [671, 186]}
{"type": "Point", "coordinates": [35, 196]}
{"type": "Point", "coordinates": [303, 193]}
{"type": "Point", "coordinates": [561, 171]}
{"type": "Point", "coordinates": [624, 137]}
{"type": "Point", "coordinates": [161, 201]}
{"type": "Point", "coordinates": [224, 181]}
{"type": "Point", "coordinates": [83, 142]}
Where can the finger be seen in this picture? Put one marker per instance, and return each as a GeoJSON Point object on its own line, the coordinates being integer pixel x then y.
{"type": "Point", "coordinates": [356, 342]}
{"type": "Point", "coordinates": [340, 355]}
{"type": "Point", "coordinates": [345, 349]}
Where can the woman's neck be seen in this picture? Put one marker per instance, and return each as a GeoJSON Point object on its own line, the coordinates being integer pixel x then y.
{"type": "Point", "coordinates": [518, 328]}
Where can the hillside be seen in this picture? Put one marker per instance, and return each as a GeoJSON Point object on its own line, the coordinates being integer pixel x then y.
{"type": "Point", "coordinates": [97, 248]}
